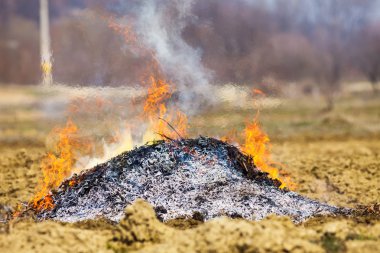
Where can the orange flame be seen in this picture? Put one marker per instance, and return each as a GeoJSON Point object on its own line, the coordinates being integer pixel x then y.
{"type": "Point", "coordinates": [18, 211]}
{"type": "Point", "coordinates": [258, 92]}
{"type": "Point", "coordinates": [158, 114]}
{"type": "Point", "coordinates": [125, 30]}
{"type": "Point", "coordinates": [158, 93]}
{"type": "Point", "coordinates": [257, 145]}
{"type": "Point", "coordinates": [56, 168]}
{"type": "Point", "coordinates": [230, 137]}
{"type": "Point", "coordinates": [180, 123]}
{"type": "Point", "coordinates": [166, 121]}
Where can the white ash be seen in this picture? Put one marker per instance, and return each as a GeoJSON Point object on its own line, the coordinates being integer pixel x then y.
{"type": "Point", "coordinates": [200, 177]}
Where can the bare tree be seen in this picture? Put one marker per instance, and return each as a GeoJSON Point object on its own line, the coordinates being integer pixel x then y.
{"type": "Point", "coordinates": [367, 53]}
{"type": "Point", "coordinates": [241, 41]}
{"type": "Point", "coordinates": [334, 22]}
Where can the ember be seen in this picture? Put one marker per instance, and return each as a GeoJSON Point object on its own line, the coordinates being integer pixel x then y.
{"type": "Point", "coordinates": [181, 178]}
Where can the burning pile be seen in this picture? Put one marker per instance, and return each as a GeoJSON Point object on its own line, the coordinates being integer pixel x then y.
{"type": "Point", "coordinates": [201, 177]}
{"type": "Point", "coordinates": [180, 177]}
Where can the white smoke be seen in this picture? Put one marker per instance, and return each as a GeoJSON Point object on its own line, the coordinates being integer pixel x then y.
{"type": "Point", "coordinates": [159, 25]}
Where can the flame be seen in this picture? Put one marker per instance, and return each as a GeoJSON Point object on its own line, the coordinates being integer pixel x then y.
{"type": "Point", "coordinates": [158, 93]}
{"type": "Point", "coordinates": [121, 142]}
{"type": "Point", "coordinates": [257, 145]}
{"type": "Point", "coordinates": [180, 123]}
{"type": "Point", "coordinates": [73, 153]}
{"type": "Point", "coordinates": [46, 67]}
{"type": "Point", "coordinates": [167, 123]}
{"type": "Point", "coordinates": [125, 30]}
{"type": "Point", "coordinates": [56, 167]}
{"type": "Point", "coordinates": [18, 211]}
{"type": "Point", "coordinates": [164, 121]}
{"type": "Point", "coordinates": [231, 136]}
{"type": "Point", "coordinates": [258, 92]}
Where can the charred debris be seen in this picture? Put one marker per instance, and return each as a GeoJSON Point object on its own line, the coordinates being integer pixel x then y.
{"type": "Point", "coordinates": [203, 178]}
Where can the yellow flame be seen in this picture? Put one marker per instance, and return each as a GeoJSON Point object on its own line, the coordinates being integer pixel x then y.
{"type": "Point", "coordinates": [46, 67]}
{"type": "Point", "coordinates": [158, 114]}
{"type": "Point", "coordinates": [56, 168]}
{"type": "Point", "coordinates": [257, 145]}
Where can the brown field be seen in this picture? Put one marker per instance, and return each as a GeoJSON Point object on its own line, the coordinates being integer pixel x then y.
{"type": "Point", "coordinates": [333, 157]}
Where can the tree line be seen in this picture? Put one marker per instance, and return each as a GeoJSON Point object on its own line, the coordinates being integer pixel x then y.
{"type": "Point", "coordinates": [317, 44]}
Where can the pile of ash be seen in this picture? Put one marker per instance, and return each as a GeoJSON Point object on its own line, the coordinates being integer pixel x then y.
{"type": "Point", "coordinates": [201, 177]}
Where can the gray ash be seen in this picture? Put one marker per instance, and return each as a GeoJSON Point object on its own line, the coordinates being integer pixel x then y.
{"type": "Point", "coordinates": [202, 178]}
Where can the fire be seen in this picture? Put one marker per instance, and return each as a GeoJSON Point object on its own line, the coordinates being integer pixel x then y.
{"type": "Point", "coordinates": [257, 145]}
{"type": "Point", "coordinates": [72, 150]}
{"type": "Point", "coordinates": [167, 123]}
{"type": "Point", "coordinates": [258, 92]}
{"type": "Point", "coordinates": [18, 211]}
{"type": "Point", "coordinates": [158, 94]}
{"type": "Point", "coordinates": [180, 123]}
{"type": "Point", "coordinates": [56, 167]}
{"type": "Point", "coordinates": [121, 142]}
{"type": "Point", "coordinates": [46, 68]}
{"type": "Point", "coordinates": [164, 120]}
{"type": "Point", "coordinates": [125, 30]}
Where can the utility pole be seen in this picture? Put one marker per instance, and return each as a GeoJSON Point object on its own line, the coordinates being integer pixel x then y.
{"type": "Point", "coordinates": [46, 64]}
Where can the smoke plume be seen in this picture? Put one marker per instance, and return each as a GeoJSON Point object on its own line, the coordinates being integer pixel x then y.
{"type": "Point", "coordinates": [159, 26]}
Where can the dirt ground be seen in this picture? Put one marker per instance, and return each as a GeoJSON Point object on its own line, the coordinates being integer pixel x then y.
{"type": "Point", "coordinates": [332, 157]}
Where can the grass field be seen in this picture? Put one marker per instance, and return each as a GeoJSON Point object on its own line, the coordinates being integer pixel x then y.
{"type": "Point", "coordinates": [332, 157]}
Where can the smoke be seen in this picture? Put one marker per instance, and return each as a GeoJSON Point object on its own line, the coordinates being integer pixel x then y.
{"type": "Point", "coordinates": [159, 26]}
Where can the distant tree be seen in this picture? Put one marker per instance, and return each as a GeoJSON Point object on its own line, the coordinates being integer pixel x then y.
{"type": "Point", "coordinates": [287, 56]}
{"type": "Point", "coordinates": [240, 41]}
{"type": "Point", "coordinates": [330, 60]}
{"type": "Point", "coordinates": [231, 34]}
{"type": "Point", "coordinates": [367, 53]}
{"type": "Point", "coordinates": [89, 52]}
{"type": "Point", "coordinates": [19, 52]}
{"type": "Point", "coordinates": [334, 22]}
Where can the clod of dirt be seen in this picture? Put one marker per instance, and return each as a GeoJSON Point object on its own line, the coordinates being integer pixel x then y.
{"type": "Point", "coordinates": [200, 178]}
{"type": "Point", "coordinates": [141, 231]}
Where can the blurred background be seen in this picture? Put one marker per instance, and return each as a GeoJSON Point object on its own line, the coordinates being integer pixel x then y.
{"type": "Point", "coordinates": [307, 46]}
